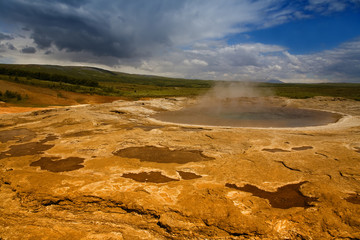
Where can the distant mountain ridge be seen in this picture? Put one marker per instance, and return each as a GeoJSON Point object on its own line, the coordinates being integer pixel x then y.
{"type": "Point", "coordinates": [274, 81]}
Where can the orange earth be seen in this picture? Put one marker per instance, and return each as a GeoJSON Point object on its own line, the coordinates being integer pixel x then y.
{"type": "Point", "coordinates": [112, 171]}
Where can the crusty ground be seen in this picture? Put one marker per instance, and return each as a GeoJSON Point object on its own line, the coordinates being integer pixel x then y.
{"type": "Point", "coordinates": [62, 175]}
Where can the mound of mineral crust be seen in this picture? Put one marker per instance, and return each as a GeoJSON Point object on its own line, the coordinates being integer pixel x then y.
{"type": "Point", "coordinates": [113, 171]}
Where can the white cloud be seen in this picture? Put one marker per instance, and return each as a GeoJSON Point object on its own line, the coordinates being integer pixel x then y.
{"type": "Point", "coordinates": [261, 61]}
{"type": "Point", "coordinates": [174, 38]}
{"type": "Point", "coordinates": [195, 62]}
{"type": "Point", "coordinates": [330, 6]}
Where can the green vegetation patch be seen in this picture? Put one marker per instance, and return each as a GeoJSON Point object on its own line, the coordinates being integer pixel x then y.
{"type": "Point", "coordinates": [103, 82]}
{"type": "Point", "coordinates": [344, 90]}
{"type": "Point", "coordinates": [9, 96]}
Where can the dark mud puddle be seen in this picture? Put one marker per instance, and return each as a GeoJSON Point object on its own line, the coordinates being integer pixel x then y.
{"type": "Point", "coordinates": [274, 150]}
{"type": "Point", "coordinates": [353, 198]}
{"type": "Point", "coordinates": [188, 175]}
{"type": "Point", "coordinates": [78, 134]}
{"type": "Point", "coordinates": [56, 164]}
{"type": "Point", "coordinates": [303, 148]}
{"type": "Point", "coordinates": [20, 135]}
{"type": "Point", "coordinates": [357, 149]}
{"type": "Point", "coordinates": [285, 197]}
{"type": "Point", "coordinates": [153, 177]}
{"type": "Point", "coordinates": [31, 148]}
{"type": "Point", "coordinates": [162, 155]}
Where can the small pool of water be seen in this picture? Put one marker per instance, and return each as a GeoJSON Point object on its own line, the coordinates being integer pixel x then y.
{"type": "Point", "coordinates": [251, 115]}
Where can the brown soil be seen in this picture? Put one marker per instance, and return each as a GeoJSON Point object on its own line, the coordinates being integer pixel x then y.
{"type": "Point", "coordinates": [302, 148]}
{"type": "Point", "coordinates": [287, 196]}
{"type": "Point", "coordinates": [162, 155]}
{"type": "Point", "coordinates": [31, 148]}
{"type": "Point", "coordinates": [59, 165]}
{"type": "Point", "coordinates": [10, 109]}
{"type": "Point", "coordinates": [274, 150]}
{"type": "Point", "coordinates": [188, 175]}
{"type": "Point", "coordinates": [20, 134]}
{"type": "Point", "coordinates": [48, 97]}
{"type": "Point", "coordinates": [114, 197]}
{"type": "Point", "coordinates": [153, 177]}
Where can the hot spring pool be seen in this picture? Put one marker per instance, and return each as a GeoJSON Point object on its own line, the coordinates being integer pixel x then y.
{"type": "Point", "coordinates": [248, 116]}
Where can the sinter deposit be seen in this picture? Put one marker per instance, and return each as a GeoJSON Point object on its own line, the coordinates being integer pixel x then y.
{"type": "Point", "coordinates": [117, 171]}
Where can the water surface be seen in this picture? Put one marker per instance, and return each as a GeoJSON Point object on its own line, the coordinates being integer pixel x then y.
{"type": "Point", "coordinates": [251, 115]}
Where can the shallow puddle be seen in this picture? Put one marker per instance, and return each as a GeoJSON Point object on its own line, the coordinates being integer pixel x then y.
{"type": "Point", "coordinates": [302, 148]}
{"type": "Point", "coordinates": [353, 198]}
{"type": "Point", "coordinates": [274, 150]}
{"type": "Point", "coordinates": [21, 135]}
{"type": "Point", "coordinates": [188, 175]}
{"type": "Point", "coordinates": [55, 164]}
{"type": "Point", "coordinates": [162, 155]}
{"type": "Point", "coordinates": [31, 148]}
{"type": "Point", "coordinates": [153, 177]}
{"type": "Point", "coordinates": [285, 197]}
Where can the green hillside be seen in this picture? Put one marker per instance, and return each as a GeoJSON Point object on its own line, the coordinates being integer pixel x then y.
{"type": "Point", "coordinates": [100, 81]}
{"type": "Point", "coordinates": [103, 82]}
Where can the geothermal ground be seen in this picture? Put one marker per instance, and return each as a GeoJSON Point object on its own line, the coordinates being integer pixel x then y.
{"type": "Point", "coordinates": [111, 171]}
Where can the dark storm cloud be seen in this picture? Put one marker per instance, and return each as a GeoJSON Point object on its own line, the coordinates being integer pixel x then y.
{"type": "Point", "coordinates": [5, 37]}
{"type": "Point", "coordinates": [136, 31]}
{"type": "Point", "coordinates": [30, 50]}
{"type": "Point", "coordinates": [178, 38]}
{"type": "Point", "coordinates": [10, 46]}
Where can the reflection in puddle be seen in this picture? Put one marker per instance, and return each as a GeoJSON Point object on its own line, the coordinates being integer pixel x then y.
{"type": "Point", "coordinates": [287, 196]}
{"type": "Point", "coordinates": [59, 165]}
{"type": "Point", "coordinates": [188, 175]}
{"type": "Point", "coordinates": [153, 177]}
{"type": "Point", "coordinates": [31, 148]}
{"type": "Point", "coordinates": [162, 155]}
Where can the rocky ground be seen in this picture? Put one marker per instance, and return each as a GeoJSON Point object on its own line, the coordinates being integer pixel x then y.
{"type": "Point", "coordinates": [111, 171]}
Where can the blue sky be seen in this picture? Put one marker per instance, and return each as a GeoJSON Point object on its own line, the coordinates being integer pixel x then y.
{"type": "Point", "coordinates": [248, 40]}
{"type": "Point", "coordinates": [304, 36]}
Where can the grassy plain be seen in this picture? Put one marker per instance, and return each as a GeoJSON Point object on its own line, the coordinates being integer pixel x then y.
{"type": "Point", "coordinates": [133, 86]}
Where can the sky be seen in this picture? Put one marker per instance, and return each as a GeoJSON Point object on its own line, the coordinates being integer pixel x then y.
{"type": "Point", "coordinates": [302, 41]}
